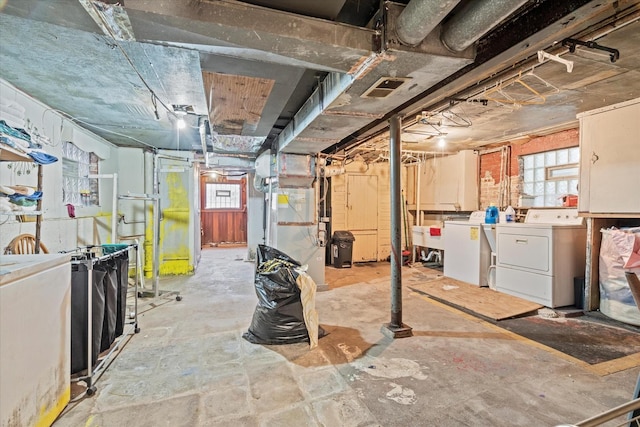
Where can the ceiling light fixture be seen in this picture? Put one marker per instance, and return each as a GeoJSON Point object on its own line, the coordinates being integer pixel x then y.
{"type": "Point", "coordinates": [180, 111]}
{"type": "Point", "coordinates": [181, 124]}
{"type": "Point", "coordinates": [441, 142]}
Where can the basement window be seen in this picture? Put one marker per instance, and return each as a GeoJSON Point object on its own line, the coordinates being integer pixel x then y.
{"type": "Point", "coordinates": [222, 195]}
{"type": "Point", "coordinates": [77, 188]}
{"type": "Point", "coordinates": [550, 175]}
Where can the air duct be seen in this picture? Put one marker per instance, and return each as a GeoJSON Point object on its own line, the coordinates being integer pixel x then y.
{"type": "Point", "coordinates": [475, 20]}
{"type": "Point", "coordinates": [264, 165]}
{"type": "Point", "coordinates": [420, 17]}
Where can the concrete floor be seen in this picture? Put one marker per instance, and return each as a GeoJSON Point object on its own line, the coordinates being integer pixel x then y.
{"type": "Point", "coordinates": [189, 365]}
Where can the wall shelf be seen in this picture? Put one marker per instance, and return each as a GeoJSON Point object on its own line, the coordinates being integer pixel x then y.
{"type": "Point", "coordinates": [9, 154]}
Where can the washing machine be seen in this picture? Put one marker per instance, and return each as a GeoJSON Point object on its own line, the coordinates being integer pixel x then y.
{"type": "Point", "coordinates": [466, 250]}
{"type": "Point", "coordinates": [538, 260]}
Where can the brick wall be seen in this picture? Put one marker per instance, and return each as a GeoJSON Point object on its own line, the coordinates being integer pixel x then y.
{"type": "Point", "coordinates": [490, 179]}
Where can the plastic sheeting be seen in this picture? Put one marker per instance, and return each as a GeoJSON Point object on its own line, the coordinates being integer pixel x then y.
{"type": "Point", "coordinates": [308, 297]}
{"type": "Point", "coordinates": [619, 252]}
{"type": "Point", "coordinates": [286, 298]}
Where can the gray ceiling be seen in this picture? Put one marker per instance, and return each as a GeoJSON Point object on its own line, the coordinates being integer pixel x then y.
{"type": "Point", "coordinates": [291, 75]}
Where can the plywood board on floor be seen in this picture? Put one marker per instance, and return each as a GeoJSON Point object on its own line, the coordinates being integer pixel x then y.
{"type": "Point", "coordinates": [371, 272]}
{"type": "Point", "coordinates": [483, 301]}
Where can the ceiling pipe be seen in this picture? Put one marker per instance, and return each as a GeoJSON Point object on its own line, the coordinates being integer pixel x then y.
{"type": "Point", "coordinates": [474, 20]}
{"type": "Point", "coordinates": [420, 17]}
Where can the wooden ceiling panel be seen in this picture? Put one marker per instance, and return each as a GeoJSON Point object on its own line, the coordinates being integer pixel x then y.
{"type": "Point", "coordinates": [235, 102]}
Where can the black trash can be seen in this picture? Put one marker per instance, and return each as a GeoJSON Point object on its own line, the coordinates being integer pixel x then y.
{"type": "Point", "coordinates": [342, 249]}
{"type": "Point", "coordinates": [578, 292]}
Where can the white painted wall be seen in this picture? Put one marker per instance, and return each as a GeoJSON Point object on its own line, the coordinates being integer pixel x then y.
{"type": "Point", "coordinates": [92, 225]}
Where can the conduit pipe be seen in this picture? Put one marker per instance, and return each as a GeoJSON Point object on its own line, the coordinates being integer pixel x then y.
{"type": "Point", "coordinates": [475, 20]}
{"type": "Point", "coordinates": [114, 202]}
{"type": "Point", "coordinates": [420, 17]}
{"type": "Point", "coordinates": [202, 123]}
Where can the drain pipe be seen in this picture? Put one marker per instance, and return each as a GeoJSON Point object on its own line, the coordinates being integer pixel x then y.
{"type": "Point", "coordinates": [156, 224]}
{"type": "Point", "coordinates": [202, 123]}
{"type": "Point", "coordinates": [420, 17]}
{"type": "Point", "coordinates": [395, 328]}
{"type": "Point", "coordinates": [475, 20]}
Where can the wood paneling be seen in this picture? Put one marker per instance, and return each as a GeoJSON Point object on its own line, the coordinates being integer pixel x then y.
{"type": "Point", "coordinates": [235, 102]}
{"type": "Point", "coordinates": [362, 202]}
{"type": "Point", "coordinates": [339, 206]}
{"type": "Point", "coordinates": [223, 225]}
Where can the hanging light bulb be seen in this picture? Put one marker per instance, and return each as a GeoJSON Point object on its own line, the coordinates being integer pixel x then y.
{"type": "Point", "coordinates": [181, 123]}
{"type": "Point", "coordinates": [441, 142]}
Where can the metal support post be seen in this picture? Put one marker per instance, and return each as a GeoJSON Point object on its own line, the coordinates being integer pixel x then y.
{"type": "Point", "coordinates": [396, 329]}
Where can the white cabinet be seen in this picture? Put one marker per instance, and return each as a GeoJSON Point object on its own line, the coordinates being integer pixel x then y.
{"type": "Point", "coordinates": [35, 338]}
{"type": "Point", "coordinates": [610, 160]}
{"type": "Point", "coordinates": [447, 183]}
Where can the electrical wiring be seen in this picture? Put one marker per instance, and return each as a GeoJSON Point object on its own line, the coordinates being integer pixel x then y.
{"type": "Point", "coordinates": [130, 61]}
{"type": "Point", "coordinates": [78, 120]}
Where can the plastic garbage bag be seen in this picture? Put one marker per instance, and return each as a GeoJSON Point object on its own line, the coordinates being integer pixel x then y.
{"type": "Point", "coordinates": [618, 252]}
{"type": "Point", "coordinates": [279, 317]}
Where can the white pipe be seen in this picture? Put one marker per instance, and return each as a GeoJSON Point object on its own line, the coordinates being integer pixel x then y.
{"type": "Point", "coordinates": [156, 226]}
{"type": "Point", "coordinates": [114, 209]}
{"type": "Point", "coordinates": [114, 201]}
{"type": "Point", "coordinates": [268, 207]}
{"type": "Point", "coordinates": [418, 179]}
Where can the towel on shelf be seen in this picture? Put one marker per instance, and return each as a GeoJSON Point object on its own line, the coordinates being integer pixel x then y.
{"type": "Point", "coordinates": [18, 198]}
{"type": "Point", "coordinates": [16, 133]}
{"type": "Point", "coordinates": [41, 157]}
{"type": "Point", "coordinates": [7, 190]}
{"type": "Point", "coordinates": [21, 189]}
{"type": "Point", "coordinates": [5, 205]}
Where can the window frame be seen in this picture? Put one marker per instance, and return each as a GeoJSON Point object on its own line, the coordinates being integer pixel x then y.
{"type": "Point", "coordinates": [550, 169]}
{"type": "Point", "coordinates": [536, 180]}
{"type": "Point", "coordinates": [239, 186]}
{"type": "Point", "coordinates": [88, 189]}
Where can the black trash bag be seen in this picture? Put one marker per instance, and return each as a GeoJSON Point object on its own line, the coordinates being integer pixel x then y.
{"type": "Point", "coordinates": [278, 317]}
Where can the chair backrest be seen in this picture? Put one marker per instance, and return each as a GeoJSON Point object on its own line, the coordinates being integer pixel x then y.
{"type": "Point", "coordinates": [24, 244]}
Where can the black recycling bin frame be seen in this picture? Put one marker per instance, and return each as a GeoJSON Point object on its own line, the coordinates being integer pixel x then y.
{"type": "Point", "coordinates": [100, 275]}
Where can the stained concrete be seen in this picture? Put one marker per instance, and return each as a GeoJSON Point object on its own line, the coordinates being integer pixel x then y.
{"type": "Point", "coordinates": [189, 365]}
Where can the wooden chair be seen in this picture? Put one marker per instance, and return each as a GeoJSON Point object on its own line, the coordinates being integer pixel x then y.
{"type": "Point", "coordinates": [24, 244]}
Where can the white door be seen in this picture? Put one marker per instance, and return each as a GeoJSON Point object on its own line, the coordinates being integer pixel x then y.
{"type": "Point", "coordinates": [362, 216]}
{"type": "Point", "coordinates": [362, 202]}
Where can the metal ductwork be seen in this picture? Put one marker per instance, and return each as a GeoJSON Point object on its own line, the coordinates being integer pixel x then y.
{"type": "Point", "coordinates": [475, 20]}
{"type": "Point", "coordinates": [420, 17]}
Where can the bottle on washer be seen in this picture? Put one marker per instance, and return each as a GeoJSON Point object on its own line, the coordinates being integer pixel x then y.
{"type": "Point", "coordinates": [510, 214]}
